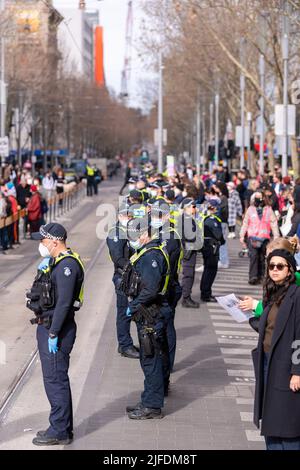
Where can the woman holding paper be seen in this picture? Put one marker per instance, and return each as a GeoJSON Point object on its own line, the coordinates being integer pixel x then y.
{"type": "Point", "coordinates": [290, 245]}
{"type": "Point", "coordinates": [276, 358]}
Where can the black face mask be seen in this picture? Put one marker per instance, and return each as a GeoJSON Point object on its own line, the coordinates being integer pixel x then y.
{"type": "Point", "coordinates": [258, 202]}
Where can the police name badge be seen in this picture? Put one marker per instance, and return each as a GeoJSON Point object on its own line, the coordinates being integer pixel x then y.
{"type": "Point", "coordinates": [67, 272]}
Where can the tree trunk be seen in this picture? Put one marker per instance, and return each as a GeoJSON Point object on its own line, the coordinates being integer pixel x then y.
{"type": "Point", "coordinates": [295, 157]}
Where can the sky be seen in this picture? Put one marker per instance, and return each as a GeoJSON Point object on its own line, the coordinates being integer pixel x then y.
{"type": "Point", "coordinates": [113, 16]}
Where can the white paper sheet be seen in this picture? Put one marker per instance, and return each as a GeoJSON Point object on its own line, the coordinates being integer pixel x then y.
{"type": "Point", "coordinates": [230, 303]}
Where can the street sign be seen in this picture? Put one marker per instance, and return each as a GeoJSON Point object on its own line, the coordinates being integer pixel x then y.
{"type": "Point", "coordinates": [165, 137]}
{"type": "Point", "coordinates": [238, 136]}
{"type": "Point", "coordinates": [279, 119]}
{"type": "Point", "coordinates": [4, 146]}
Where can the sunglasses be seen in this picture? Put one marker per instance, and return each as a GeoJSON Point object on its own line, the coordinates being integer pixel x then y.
{"type": "Point", "coordinates": [279, 266]}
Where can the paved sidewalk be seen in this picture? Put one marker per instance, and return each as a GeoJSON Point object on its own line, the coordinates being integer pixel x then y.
{"type": "Point", "coordinates": [211, 398]}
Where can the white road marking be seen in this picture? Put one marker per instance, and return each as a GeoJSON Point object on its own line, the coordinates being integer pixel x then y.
{"type": "Point", "coordinates": [240, 373]}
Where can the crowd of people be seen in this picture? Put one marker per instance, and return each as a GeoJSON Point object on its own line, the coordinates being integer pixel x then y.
{"type": "Point", "coordinates": [20, 189]}
{"type": "Point", "coordinates": [163, 223]}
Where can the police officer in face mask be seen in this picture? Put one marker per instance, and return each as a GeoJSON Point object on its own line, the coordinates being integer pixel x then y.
{"type": "Point", "coordinates": [192, 242]}
{"type": "Point", "coordinates": [213, 239]}
{"type": "Point", "coordinates": [120, 252]}
{"type": "Point", "coordinates": [56, 294]}
{"type": "Point", "coordinates": [147, 287]}
{"type": "Point", "coordinates": [166, 232]}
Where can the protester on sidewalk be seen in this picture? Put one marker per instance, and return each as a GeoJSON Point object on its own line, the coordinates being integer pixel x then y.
{"type": "Point", "coordinates": [234, 209]}
{"type": "Point", "coordinates": [34, 210]}
{"type": "Point", "coordinates": [259, 223]}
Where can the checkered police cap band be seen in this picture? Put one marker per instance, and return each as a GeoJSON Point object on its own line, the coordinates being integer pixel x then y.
{"type": "Point", "coordinates": [48, 235]}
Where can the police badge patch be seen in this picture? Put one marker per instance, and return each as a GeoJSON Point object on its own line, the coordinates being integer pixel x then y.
{"type": "Point", "coordinates": [154, 264]}
{"type": "Point", "coordinates": [67, 272]}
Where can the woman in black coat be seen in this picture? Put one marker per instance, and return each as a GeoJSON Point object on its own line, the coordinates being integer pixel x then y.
{"type": "Point", "coordinates": [277, 356]}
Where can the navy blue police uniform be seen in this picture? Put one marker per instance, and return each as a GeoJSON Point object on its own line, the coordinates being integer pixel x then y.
{"type": "Point", "coordinates": [152, 269]}
{"type": "Point", "coordinates": [120, 251]}
{"type": "Point", "coordinates": [67, 275]}
{"type": "Point", "coordinates": [173, 244]}
{"type": "Point", "coordinates": [213, 239]}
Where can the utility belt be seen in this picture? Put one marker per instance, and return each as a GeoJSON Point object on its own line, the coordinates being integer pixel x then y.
{"type": "Point", "coordinates": [148, 316]}
{"type": "Point", "coordinates": [215, 244]}
{"type": "Point", "coordinates": [45, 321]}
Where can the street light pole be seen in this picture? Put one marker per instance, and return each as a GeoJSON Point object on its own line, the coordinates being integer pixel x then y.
{"type": "Point", "coordinates": [211, 121]}
{"type": "Point", "coordinates": [160, 113]}
{"type": "Point", "coordinates": [203, 138]}
{"type": "Point", "coordinates": [285, 54]}
{"type": "Point", "coordinates": [2, 87]}
{"type": "Point", "coordinates": [262, 114]}
{"type": "Point", "coordinates": [242, 161]}
{"type": "Point", "coordinates": [198, 138]}
{"type": "Point", "coordinates": [217, 103]}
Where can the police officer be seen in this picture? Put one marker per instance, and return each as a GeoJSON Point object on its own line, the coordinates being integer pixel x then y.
{"type": "Point", "coordinates": [56, 294]}
{"type": "Point", "coordinates": [90, 174]}
{"type": "Point", "coordinates": [192, 241]}
{"type": "Point", "coordinates": [167, 233]}
{"type": "Point", "coordinates": [147, 289]}
{"type": "Point", "coordinates": [213, 239]}
{"type": "Point", "coordinates": [119, 251]}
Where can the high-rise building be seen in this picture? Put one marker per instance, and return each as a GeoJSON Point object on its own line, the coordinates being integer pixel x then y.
{"type": "Point", "coordinates": [76, 40]}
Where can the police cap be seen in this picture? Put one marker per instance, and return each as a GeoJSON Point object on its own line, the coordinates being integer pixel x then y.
{"type": "Point", "coordinates": [52, 231]}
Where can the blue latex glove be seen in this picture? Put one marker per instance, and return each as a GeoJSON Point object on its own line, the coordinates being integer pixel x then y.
{"type": "Point", "coordinates": [52, 345]}
{"type": "Point", "coordinates": [44, 264]}
{"type": "Point", "coordinates": [128, 312]}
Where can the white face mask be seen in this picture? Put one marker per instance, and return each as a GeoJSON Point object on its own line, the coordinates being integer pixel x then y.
{"type": "Point", "coordinates": [131, 187]}
{"type": "Point", "coordinates": [184, 193]}
{"type": "Point", "coordinates": [153, 193]}
{"type": "Point", "coordinates": [44, 252]}
{"type": "Point", "coordinates": [124, 222]}
{"type": "Point", "coordinates": [135, 244]}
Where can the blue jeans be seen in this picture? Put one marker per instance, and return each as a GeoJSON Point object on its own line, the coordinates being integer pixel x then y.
{"type": "Point", "coordinates": [224, 257]}
{"type": "Point", "coordinates": [279, 443]}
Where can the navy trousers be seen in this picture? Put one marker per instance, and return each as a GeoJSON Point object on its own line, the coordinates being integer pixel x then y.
{"type": "Point", "coordinates": [56, 380]}
{"type": "Point", "coordinates": [123, 322]}
{"type": "Point", "coordinates": [188, 273]}
{"type": "Point", "coordinates": [173, 299]}
{"type": "Point", "coordinates": [156, 368]}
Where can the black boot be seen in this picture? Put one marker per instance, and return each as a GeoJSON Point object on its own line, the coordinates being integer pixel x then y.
{"type": "Point", "coordinates": [190, 303]}
{"type": "Point", "coordinates": [44, 440]}
{"type": "Point", "coordinates": [138, 406]}
{"type": "Point", "coordinates": [130, 352]}
{"type": "Point", "coordinates": [146, 413]}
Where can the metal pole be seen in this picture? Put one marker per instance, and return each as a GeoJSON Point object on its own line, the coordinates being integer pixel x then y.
{"type": "Point", "coordinates": [198, 138]}
{"type": "Point", "coordinates": [203, 138]}
{"type": "Point", "coordinates": [249, 121]}
{"type": "Point", "coordinates": [20, 129]}
{"type": "Point", "coordinates": [285, 54]}
{"type": "Point", "coordinates": [160, 114]}
{"type": "Point", "coordinates": [2, 87]}
{"type": "Point", "coordinates": [217, 103]}
{"type": "Point", "coordinates": [211, 122]}
{"type": "Point", "coordinates": [262, 114]}
{"type": "Point", "coordinates": [242, 161]}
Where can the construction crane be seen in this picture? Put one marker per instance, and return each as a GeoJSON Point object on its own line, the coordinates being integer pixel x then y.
{"type": "Point", "coordinates": [126, 72]}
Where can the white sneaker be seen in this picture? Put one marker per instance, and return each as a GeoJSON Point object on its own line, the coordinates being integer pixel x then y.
{"type": "Point", "coordinates": [223, 266]}
{"type": "Point", "coordinates": [200, 269]}
{"type": "Point", "coordinates": [231, 235]}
